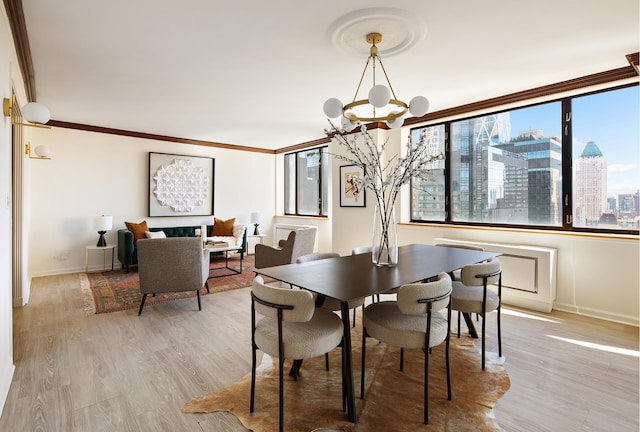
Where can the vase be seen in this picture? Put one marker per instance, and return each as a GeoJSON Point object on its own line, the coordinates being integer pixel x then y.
{"type": "Point", "coordinates": [384, 251]}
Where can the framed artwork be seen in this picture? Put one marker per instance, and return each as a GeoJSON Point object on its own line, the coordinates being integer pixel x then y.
{"type": "Point", "coordinates": [180, 185]}
{"type": "Point", "coordinates": [352, 193]}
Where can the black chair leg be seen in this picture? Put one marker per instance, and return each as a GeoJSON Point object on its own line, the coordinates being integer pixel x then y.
{"type": "Point", "coordinates": [144, 297]}
{"type": "Point", "coordinates": [362, 370]}
{"type": "Point", "coordinates": [281, 392]}
{"type": "Point", "coordinates": [426, 385]}
{"type": "Point", "coordinates": [499, 335]}
{"type": "Point", "coordinates": [326, 361]}
{"type": "Point", "coordinates": [199, 302]}
{"type": "Point", "coordinates": [206, 284]}
{"type": "Point", "coordinates": [253, 378]}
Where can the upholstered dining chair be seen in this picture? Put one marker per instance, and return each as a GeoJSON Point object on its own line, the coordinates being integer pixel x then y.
{"type": "Point", "coordinates": [471, 294]}
{"type": "Point", "coordinates": [172, 264]}
{"type": "Point", "coordinates": [412, 321]}
{"type": "Point", "coordinates": [291, 327]}
{"type": "Point", "coordinates": [330, 303]}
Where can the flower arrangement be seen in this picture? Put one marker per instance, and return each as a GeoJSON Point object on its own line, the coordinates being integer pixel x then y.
{"type": "Point", "coordinates": [384, 179]}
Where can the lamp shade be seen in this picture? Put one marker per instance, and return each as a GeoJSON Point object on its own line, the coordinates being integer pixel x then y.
{"type": "Point", "coordinates": [42, 151]}
{"type": "Point", "coordinates": [35, 112]}
{"type": "Point", "coordinates": [103, 223]}
{"type": "Point", "coordinates": [332, 108]}
{"type": "Point", "coordinates": [379, 96]}
{"type": "Point", "coordinates": [256, 218]}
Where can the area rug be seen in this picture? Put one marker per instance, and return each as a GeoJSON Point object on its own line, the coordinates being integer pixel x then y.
{"type": "Point", "coordinates": [393, 399]}
{"type": "Point", "coordinates": [115, 291]}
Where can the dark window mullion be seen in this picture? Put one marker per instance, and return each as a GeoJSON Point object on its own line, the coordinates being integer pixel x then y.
{"type": "Point", "coordinates": [567, 165]}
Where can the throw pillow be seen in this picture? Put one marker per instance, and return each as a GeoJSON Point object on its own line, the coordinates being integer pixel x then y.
{"type": "Point", "coordinates": [223, 227]}
{"type": "Point", "coordinates": [138, 230]}
{"type": "Point", "coordinates": [155, 234]}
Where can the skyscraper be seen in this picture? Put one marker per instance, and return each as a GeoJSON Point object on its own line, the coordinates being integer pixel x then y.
{"type": "Point", "coordinates": [590, 183]}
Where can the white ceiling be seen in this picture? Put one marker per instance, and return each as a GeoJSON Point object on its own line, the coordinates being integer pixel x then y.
{"type": "Point", "coordinates": [256, 73]}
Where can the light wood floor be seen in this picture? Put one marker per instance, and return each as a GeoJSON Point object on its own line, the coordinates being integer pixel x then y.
{"type": "Point", "coordinates": [121, 372]}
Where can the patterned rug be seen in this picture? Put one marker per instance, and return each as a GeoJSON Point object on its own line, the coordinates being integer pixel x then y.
{"type": "Point", "coordinates": [115, 291]}
{"type": "Point", "coordinates": [392, 401]}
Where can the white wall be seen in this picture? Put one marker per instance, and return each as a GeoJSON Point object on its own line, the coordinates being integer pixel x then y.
{"type": "Point", "coordinates": [93, 173]}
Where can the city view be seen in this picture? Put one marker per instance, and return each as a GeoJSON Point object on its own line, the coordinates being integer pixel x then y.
{"type": "Point", "coordinates": [507, 167]}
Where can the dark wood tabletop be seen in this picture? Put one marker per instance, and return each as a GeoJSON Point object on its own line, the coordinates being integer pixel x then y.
{"type": "Point", "coordinates": [355, 276]}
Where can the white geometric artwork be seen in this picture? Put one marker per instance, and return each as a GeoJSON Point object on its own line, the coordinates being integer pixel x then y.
{"type": "Point", "coordinates": [181, 185]}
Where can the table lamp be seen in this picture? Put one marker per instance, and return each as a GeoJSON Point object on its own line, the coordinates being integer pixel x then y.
{"type": "Point", "coordinates": [102, 224]}
{"type": "Point", "coordinates": [256, 219]}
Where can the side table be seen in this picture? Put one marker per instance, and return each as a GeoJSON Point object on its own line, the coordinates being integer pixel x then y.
{"type": "Point", "coordinates": [104, 250]}
{"type": "Point", "coordinates": [251, 245]}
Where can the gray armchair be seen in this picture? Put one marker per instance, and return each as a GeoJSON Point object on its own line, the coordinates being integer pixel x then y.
{"type": "Point", "coordinates": [172, 265]}
{"type": "Point", "coordinates": [300, 242]}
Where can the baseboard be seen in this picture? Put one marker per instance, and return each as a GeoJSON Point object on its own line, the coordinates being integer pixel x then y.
{"type": "Point", "coordinates": [597, 313]}
{"type": "Point", "coordinates": [6, 377]}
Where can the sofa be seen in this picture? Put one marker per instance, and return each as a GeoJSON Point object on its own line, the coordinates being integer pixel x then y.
{"type": "Point", "coordinates": [128, 253]}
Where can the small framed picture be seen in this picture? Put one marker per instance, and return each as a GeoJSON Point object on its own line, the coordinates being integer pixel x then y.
{"type": "Point", "coordinates": [352, 193]}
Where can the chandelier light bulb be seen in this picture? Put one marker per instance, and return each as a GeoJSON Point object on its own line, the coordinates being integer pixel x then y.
{"type": "Point", "coordinates": [379, 96]}
{"type": "Point", "coordinates": [396, 123]}
{"type": "Point", "coordinates": [332, 108]}
{"type": "Point", "coordinates": [419, 106]}
{"type": "Point", "coordinates": [346, 124]}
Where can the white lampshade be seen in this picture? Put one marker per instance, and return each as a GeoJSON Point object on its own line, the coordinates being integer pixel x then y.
{"type": "Point", "coordinates": [418, 106]}
{"type": "Point", "coordinates": [399, 121]}
{"type": "Point", "coordinates": [103, 223]}
{"type": "Point", "coordinates": [332, 108]}
{"type": "Point", "coordinates": [256, 218]}
{"type": "Point", "coordinates": [42, 151]}
{"type": "Point", "coordinates": [379, 96]}
{"type": "Point", "coordinates": [34, 112]}
{"type": "Point", "coordinates": [346, 124]}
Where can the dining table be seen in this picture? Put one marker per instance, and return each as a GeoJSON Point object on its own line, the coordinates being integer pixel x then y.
{"type": "Point", "coordinates": [353, 277]}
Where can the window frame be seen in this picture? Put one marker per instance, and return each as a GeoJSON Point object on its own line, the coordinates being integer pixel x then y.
{"type": "Point", "coordinates": [567, 168]}
{"type": "Point", "coordinates": [323, 153]}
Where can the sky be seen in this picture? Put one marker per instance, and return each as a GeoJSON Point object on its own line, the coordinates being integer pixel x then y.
{"type": "Point", "coordinates": [609, 118]}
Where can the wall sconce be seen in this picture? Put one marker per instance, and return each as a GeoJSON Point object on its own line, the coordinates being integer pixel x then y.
{"type": "Point", "coordinates": [35, 114]}
{"type": "Point", "coordinates": [42, 152]}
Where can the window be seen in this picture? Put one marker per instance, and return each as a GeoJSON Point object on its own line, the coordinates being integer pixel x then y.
{"type": "Point", "coordinates": [306, 175]}
{"type": "Point", "coordinates": [517, 167]}
{"type": "Point", "coordinates": [428, 194]}
{"type": "Point", "coordinates": [606, 162]}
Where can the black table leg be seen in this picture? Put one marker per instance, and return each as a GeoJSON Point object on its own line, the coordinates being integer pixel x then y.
{"type": "Point", "coordinates": [472, 329]}
{"type": "Point", "coordinates": [348, 361]}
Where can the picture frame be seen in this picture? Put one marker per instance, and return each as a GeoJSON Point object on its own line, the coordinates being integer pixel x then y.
{"type": "Point", "coordinates": [180, 185]}
{"type": "Point", "coordinates": [352, 194]}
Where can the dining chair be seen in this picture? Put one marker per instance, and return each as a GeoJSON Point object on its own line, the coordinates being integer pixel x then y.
{"type": "Point", "coordinates": [412, 321]}
{"type": "Point", "coordinates": [471, 294]}
{"type": "Point", "coordinates": [327, 303]}
{"type": "Point", "coordinates": [367, 249]}
{"type": "Point", "coordinates": [291, 327]}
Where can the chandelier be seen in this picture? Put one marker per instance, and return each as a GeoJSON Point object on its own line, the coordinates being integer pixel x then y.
{"type": "Point", "coordinates": [382, 102]}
